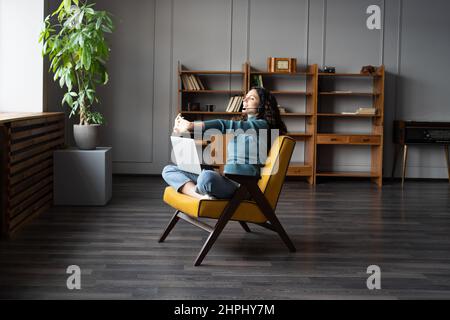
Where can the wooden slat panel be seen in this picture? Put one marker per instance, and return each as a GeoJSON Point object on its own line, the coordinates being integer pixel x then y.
{"type": "Point", "coordinates": [39, 207]}
{"type": "Point", "coordinates": [36, 150]}
{"type": "Point", "coordinates": [41, 174]}
{"type": "Point", "coordinates": [30, 200]}
{"type": "Point", "coordinates": [27, 143]}
{"type": "Point", "coordinates": [27, 182]}
{"type": "Point", "coordinates": [36, 131]}
{"type": "Point", "coordinates": [4, 178]}
{"type": "Point", "coordinates": [28, 192]}
{"type": "Point", "coordinates": [31, 171]}
{"type": "Point", "coordinates": [32, 161]}
{"type": "Point", "coordinates": [10, 117]}
{"type": "Point", "coordinates": [32, 122]}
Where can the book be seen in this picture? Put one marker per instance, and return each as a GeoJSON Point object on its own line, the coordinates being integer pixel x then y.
{"type": "Point", "coordinates": [230, 103]}
{"type": "Point", "coordinates": [191, 83]}
{"type": "Point", "coordinates": [260, 81]}
{"type": "Point", "coordinates": [200, 82]}
{"type": "Point", "coordinates": [366, 111]}
{"type": "Point", "coordinates": [194, 82]}
{"type": "Point", "coordinates": [341, 91]}
{"type": "Point", "coordinates": [238, 104]}
{"type": "Point", "coordinates": [185, 81]}
{"type": "Point", "coordinates": [235, 102]}
{"type": "Point", "coordinates": [257, 81]}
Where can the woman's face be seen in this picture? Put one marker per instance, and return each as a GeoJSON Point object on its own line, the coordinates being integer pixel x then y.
{"type": "Point", "coordinates": [251, 103]}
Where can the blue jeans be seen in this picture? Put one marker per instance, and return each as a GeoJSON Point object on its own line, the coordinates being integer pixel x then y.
{"type": "Point", "coordinates": [208, 182]}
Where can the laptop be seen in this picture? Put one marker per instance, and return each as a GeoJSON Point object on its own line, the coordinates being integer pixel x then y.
{"type": "Point", "coordinates": [187, 155]}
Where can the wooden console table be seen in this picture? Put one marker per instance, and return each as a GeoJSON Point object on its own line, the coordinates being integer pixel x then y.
{"type": "Point", "coordinates": [27, 142]}
{"type": "Point", "coordinates": [416, 132]}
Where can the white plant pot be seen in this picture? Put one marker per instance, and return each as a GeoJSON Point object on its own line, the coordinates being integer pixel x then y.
{"type": "Point", "coordinates": [86, 136]}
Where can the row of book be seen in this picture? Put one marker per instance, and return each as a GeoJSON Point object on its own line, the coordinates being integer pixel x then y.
{"type": "Point", "coordinates": [367, 111]}
{"type": "Point", "coordinates": [257, 81]}
{"type": "Point", "coordinates": [234, 105]}
{"type": "Point", "coordinates": [192, 82]}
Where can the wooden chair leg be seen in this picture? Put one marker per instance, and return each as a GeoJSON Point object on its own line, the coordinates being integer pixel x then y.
{"type": "Point", "coordinates": [170, 226]}
{"type": "Point", "coordinates": [394, 165]}
{"type": "Point", "coordinates": [221, 223]}
{"type": "Point", "coordinates": [245, 226]}
{"type": "Point", "coordinates": [267, 210]}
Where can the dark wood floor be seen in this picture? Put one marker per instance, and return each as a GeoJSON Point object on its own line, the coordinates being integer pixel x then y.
{"type": "Point", "coordinates": [339, 229]}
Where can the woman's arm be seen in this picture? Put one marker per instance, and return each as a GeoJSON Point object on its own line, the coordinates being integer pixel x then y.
{"type": "Point", "coordinates": [183, 125]}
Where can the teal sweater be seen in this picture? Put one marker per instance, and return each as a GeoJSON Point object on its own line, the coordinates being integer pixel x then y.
{"type": "Point", "coordinates": [239, 159]}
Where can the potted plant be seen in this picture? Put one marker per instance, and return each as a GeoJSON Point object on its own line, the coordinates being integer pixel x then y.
{"type": "Point", "coordinates": [74, 40]}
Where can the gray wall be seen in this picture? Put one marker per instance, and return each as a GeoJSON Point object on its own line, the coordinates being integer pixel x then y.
{"type": "Point", "coordinates": [153, 35]}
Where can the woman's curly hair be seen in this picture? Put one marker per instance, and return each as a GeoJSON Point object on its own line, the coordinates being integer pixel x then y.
{"type": "Point", "coordinates": [267, 110]}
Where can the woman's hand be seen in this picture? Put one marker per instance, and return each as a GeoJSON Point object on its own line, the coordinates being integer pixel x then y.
{"type": "Point", "coordinates": [182, 125]}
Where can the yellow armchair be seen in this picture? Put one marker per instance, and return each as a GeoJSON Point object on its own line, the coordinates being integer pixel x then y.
{"type": "Point", "coordinates": [264, 191]}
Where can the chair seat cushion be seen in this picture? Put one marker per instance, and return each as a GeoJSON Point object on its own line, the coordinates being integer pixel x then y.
{"type": "Point", "coordinates": [247, 211]}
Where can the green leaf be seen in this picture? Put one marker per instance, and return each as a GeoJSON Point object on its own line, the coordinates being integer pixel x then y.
{"type": "Point", "coordinates": [98, 23]}
{"type": "Point", "coordinates": [68, 81]}
{"type": "Point", "coordinates": [61, 6]}
{"type": "Point", "coordinates": [68, 99]}
{"type": "Point", "coordinates": [67, 4]}
{"type": "Point", "coordinates": [61, 82]}
{"type": "Point", "coordinates": [106, 79]}
{"type": "Point", "coordinates": [86, 59]}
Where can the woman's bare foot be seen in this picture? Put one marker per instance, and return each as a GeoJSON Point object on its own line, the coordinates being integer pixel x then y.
{"type": "Point", "coordinates": [189, 189]}
{"type": "Point", "coordinates": [207, 197]}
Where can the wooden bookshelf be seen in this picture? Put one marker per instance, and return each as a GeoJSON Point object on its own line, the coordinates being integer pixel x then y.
{"type": "Point", "coordinates": [309, 119]}
{"type": "Point", "coordinates": [214, 113]}
{"type": "Point", "coordinates": [296, 114]}
{"type": "Point", "coordinates": [362, 94]}
{"type": "Point", "coordinates": [342, 115]}
{"type": "Point", "coordinates": [348, 174]}
{"type": "Point", "coordinates": [284, 74]}
{"type": "Point", "coordinates": [307, 91]}
{"type": "Point", "coordinates": [300, 169]}
{"type": "Point", "coordinates": [211, 72]}
{"type": "Point", "coordinates": [372, 140]}
{"type": "Point", "coordinates": [190, 94]}
{"type": "Point", "coordinates": [356, 75]}
{"type": "Point", "coordinates": [299, 135]}
{"type": "Point", "coordinates": [233, 92]}
{"type": "Point", "coordinates": [301, 93]}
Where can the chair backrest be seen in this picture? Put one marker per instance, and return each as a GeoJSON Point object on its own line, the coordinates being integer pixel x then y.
{"type": "Point", "coordinates": [275, 168]}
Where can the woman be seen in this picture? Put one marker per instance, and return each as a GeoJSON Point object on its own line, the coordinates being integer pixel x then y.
{"type": "Point", "coordinates": [260, 111]}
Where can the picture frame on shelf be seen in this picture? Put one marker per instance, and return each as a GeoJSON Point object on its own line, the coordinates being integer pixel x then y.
{"type": "Point", "coordinates": [281, 65]}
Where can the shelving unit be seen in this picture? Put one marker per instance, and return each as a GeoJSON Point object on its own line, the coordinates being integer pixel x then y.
{"type": "Point", "coordinates": [303, 122]}
{"type": "Point", "coordinates": [373, 139]}
{"type": "Point", "coordinates": [221, 95]}
{"type": "Point", "coordinates": [304, 86]}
